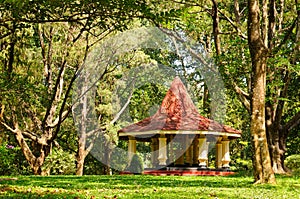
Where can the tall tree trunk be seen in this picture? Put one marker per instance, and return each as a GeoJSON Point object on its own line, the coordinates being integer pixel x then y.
{"type": "Point", "coordinates": [263, 172]}
{"type": "Point", "coordinates": [216, 27]}
{"type": "Point", "coordinates": [107, 160]}
{"type": "Point", "coordinates": [206, 104]}
{"type": "Point", "coordinates": [80, 160]}
{"type": "Point", "coordinates": [81, 153]}
{"type": "Point", "coordinates": [237, 12]}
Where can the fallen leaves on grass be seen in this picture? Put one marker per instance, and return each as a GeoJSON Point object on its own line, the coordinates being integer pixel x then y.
{"type": "Point", "coordinates": [5, 189]}
{"type": "Point", "coordinates": [6, 179]}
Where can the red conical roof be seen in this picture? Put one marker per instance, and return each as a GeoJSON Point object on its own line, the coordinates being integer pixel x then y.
{"type": "Point", "coordinates": [177, 112]}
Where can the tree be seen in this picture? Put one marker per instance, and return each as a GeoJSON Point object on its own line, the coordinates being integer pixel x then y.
{"type": "Point", "coordinates": [35, 115]}
{"type": "Point", "coordinates": [35, 112]}
{"type": "Point", "coordinates": [56, 30]}
{"type": "Point", "coordinates": [279, 32]}
{"type": "Point", "coordinates": [280, 66]}
{"type": "Point", "coordinates": [263, 172]}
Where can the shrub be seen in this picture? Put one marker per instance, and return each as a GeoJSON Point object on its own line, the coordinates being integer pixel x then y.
{"type": "Point", "coordinates": [243, 165]}
{"type": "Point", "coordinates": [136, 165]}
{"type": "Point", "coordinates": [60, 162]}
{"type": "Point", "coordinates": [293, 163]}
{"type": "Point", "coordinates": [12, 161]}
{"type": "Point", "coordinates": [119, 159]}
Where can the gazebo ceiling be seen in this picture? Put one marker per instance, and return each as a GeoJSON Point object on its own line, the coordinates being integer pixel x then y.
{"type": "Point", "coordinates": [178, 113]}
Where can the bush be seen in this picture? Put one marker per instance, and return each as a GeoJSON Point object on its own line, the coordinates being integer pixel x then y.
{"type": "Point", "coordinates": [60, 162]}
{"type": "Point", "coordinates": [92, 166]}
{"type": "Point", "coordinates": [244, 165]}
{"type": "Point", "coordinates": [293, 163]}
{"type": "Point", "coordinates": [136, 165]}
{"type": "Point", "coordinates": [12, 161]}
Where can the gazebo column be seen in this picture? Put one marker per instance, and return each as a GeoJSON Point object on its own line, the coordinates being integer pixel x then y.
{"type": "Point", "coordinates": [219, 155]}
{"type": "Point", "coordinates": [189, 151]}
{"type": "Point", "coordinates": [162, 150]}
{"type": "Point", "coordinates": [131, 147]}
{"type": "Point", "coordinates": [203, 151]}
{"type": "Point", "coordinates": [154, 151]}
{"type": "Point", "coordinates": [171, 150]}
{"type": "Point", "coordinates": [225, 153]}
{"type": "Point", "coordinates": [195, 151]}
{"type": "Point", "coordinates": [179, 157]}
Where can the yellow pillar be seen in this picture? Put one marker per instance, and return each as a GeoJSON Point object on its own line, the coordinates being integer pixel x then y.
{"type": "Point", "coordinates": [179, 157]}
{"type": "Point", "coordinates": [207, 147]}
{"type": "Point", "coordinates": [131, 148]}
{"type": "Point", "coordinates": [195, 151]}
{"type": "Point", "coordinates": [226, 153]}
{"type": "Point", "coordinates": [162, 150]}
{"type": "Point", "coordinates": [179, 152]}
{"type": "Point", "coordinates": [154, 152]}
{"type": "Point", "coordinates": [189, 151]}
{"type": "Point", "coordinates": [171, 150]}
{"type": "Point", "coordinates": [219, 155]}
{"type": "Point", "coordinates": [203, 151]}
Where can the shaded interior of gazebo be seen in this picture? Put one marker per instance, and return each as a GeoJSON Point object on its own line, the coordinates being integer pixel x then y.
{"type": "Point", "coordinates": [178, 123]}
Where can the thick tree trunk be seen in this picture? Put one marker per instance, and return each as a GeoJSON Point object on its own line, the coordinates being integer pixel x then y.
{"type": "Point", "coordinates": [277, 148]}
{"type": "Point", "coordinates": [35, 162]}
{"type": "Point", "coordinates": [263, 172]}
{"type": "Point", "coordinates": [276, 139]}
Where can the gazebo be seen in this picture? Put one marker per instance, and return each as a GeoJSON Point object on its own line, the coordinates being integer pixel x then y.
{"type": "Point", "coordinates": [179, 135]}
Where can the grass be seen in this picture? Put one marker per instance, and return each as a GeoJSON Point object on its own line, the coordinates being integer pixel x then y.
{"type": "Point", "coordinates": [144, 186]}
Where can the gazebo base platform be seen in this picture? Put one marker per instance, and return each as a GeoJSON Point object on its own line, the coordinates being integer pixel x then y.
{"type": "Point", "coordinates": [184, 171]}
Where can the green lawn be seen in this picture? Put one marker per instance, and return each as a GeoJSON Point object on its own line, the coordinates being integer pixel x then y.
{"type": "Point", "coordinates": [142, 186]}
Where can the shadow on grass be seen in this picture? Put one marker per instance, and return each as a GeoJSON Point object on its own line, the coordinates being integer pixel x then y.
{"type": "Point", "coordinates": [86, 182]}
{"type": "Point", "coordinates": [76, 184]}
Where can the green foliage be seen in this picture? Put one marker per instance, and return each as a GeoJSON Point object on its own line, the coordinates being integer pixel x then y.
{"type": "Point", "coordinates": [7, 155]}
{"type": "Point", "coordinates": [119, 159]}
{"type": "Point", "coordinates": [293, 163]}
{"type": "Point", "coordinates": [241, 154]}
{"type": "Point", "coordinates": [136, 165]}
{"type": "Point", "coordinates": [12, 161]}
{"type": "Point", "coordinates": [245, 165]}
{"type": "Point", "coordinates": [60, 162]}
{"type": "Point", "coordinates": [92, 166]}
{"type": "Point", "coordinates": [146, 101]}
{"type": "Point", "coordinates": [293, 146]}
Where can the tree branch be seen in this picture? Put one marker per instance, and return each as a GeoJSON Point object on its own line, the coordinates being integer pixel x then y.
{"type": "Point", "coordinates": [123, 108]}
{"type": "Point", "coordinates": [54, 95]}
{"type": "Point", "coordinates": [292, 123]}
{"type": "Point", "coordinates": [243, 96]}
{"type": "Point", "coordinates": [243, 36]}
{"type": "Point", "coordinates": [286, 37]}
{"type": "Point", "coordinates": [8, 127]}
{"type": "Point", "coordinates": [63, 117]}
{"type": "Point", "coordinates": [282, 94]}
